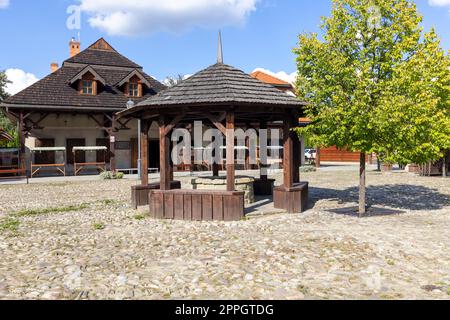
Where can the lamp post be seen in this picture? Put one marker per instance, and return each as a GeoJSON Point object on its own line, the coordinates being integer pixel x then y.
{"type": "Point", "coordinates": [130, 104]}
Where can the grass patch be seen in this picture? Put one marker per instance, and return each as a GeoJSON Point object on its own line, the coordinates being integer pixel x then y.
{"type": "Point", "coordinates": [390, 262]}
{"type": "Point", "coordinates": [139, 217]}
{"type": "Point", "coordinates": [99, 226]}
{"type": "Point", "coordinates": [108, 202]}
{"type": "Point", "coordinates": [35, 212]}
{"type": "Point", "coordinates": [9, 224]}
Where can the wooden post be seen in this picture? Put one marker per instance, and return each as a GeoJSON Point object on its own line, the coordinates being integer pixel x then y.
{"type": "Point", "coordinates": [22, 161]}
{"type": "Point", "coordinates": [247, 153]}
{"type": "Point", "coordinates": [164, 145]}
{"type": "Point", "coordinates": [288, 156]}
{"type": "Point", "coordinates": [112, 145]}
{"type": "Point", "coordinates": [230, 152]}
{"type": "Point", "coordinates": [317, 157]}
{"type": "Point", "coordinates": [215, 169]}
{"type": "Point", "coordinates": [297, 157]}
{"type": "Point", "coordinates": [145, 126]}
{"type": "Point", "coordinates": [263, 150]}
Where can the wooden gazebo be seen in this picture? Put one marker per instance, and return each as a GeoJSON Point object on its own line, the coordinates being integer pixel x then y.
{"type": "Point", "coordinates": [227, 98]}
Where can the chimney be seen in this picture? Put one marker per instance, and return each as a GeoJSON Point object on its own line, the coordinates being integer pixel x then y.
{"type": "Point", "coordinates": [54, 66]}
{"type": "Point", "coordinates": [74, 47]}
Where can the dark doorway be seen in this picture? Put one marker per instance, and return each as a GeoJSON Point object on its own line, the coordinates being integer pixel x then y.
{"type": "Point", "coordinates": [101, 155]}
{"type": "Point", "coordinates": [81, 156]}
{"type": "Point", "coordinates": [44, 157]}
{"type": "Point", "coordinates": [153, 154]}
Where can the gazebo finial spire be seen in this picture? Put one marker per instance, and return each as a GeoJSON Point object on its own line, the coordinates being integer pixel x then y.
{"type": "Point", "coordinates": [219, 50]}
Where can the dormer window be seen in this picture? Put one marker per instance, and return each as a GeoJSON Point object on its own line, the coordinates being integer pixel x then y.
{"type": "Point", "coordinates": [134, 84]}
{"type": "Point", "coordinates": [87, 87]}
{"type": "Point", "coordinates": [133, 89]}
{"type": "Point", "coordinates": [88, 81]}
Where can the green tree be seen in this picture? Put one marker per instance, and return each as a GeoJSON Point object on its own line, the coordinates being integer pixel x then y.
{"type": "Point", "coordinates": [415, 116]}
{"type": "Point", "coordinates": [356, 80]}
{"type": "Point", "coordinates": [3, 82]}
{"type": "Point", "coordinates": [5, 123]}
{"type": "Point", "coordinates": [173, 81]}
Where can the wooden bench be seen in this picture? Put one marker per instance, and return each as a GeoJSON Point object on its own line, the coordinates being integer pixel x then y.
{"type": "Point", "coordinates": [35, 168]}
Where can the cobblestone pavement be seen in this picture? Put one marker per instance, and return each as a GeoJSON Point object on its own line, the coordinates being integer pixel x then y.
{"type": "Point", "coordinates": [81, 240]}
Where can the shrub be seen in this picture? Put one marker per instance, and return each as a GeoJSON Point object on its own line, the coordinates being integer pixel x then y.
{"type": "Point", "coordinates": [308, 169]}
{"type": "Point", "coordinates": [109, 175]}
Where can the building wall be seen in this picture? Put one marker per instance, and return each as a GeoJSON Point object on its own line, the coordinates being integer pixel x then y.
{"type": "Point", "coordinates": [333, 154]}
{"type": "Point", "coordinates": [64, 126]}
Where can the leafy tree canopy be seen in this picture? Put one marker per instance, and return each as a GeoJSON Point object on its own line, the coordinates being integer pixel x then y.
{"type": "Point", "coordinates": [375, 82]}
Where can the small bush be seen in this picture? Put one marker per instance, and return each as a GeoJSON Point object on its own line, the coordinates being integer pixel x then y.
{"type": "Point", "coordinates": [109, 175]}
{"type": "Point", "coordinates": [308, 169]}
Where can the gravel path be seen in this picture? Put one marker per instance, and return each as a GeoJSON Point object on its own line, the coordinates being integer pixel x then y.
{"type": "Point", "coordinates": [89, 244]}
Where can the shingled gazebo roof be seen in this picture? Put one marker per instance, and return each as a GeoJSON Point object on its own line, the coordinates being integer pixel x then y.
{"type": "Point", "coordinates": [219, 84]}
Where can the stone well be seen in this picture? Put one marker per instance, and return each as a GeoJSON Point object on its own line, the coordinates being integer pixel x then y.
{"type": "Point", "coordinates": [220, 183]}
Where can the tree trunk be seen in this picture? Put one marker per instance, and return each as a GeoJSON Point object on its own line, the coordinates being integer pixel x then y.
{"type": "Point", "coordinates": [444, 166]}
{"type": "Point", "coordinates": [362, 185]}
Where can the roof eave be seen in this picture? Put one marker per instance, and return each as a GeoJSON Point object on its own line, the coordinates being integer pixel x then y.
{"type": "Point", "coordinates": [141, 107]}
{"type": "Point", "coordinates": [58, 108]}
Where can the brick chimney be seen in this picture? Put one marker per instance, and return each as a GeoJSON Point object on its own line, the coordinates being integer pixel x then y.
{"type": "Point", "coordinates": [74, 47]}
{"type": "Point", "coordinates": [54, 66]}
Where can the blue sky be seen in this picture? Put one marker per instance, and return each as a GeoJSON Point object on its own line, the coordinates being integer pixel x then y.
{"type": "Point", "coordinates": [167, 40]}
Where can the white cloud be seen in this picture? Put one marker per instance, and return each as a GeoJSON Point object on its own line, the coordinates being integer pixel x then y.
{"type": "Point", "coordinates": [138, 17]}
{"type": "Point", "coordinates": [439, 3]}
{"type": "Point", "coordinates": [289, 77]}
{"type": "Point", "coordinates": [4, 4]}
{"type": "Point", "coordinates": [19, 80]}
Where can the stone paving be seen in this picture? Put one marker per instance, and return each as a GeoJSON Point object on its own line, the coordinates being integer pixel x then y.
{"type": "Point", "coordinates": [81, 240]}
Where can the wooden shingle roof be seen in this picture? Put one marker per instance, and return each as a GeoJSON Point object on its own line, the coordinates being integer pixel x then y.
{"type": "Point", "coordinates": [221, 84]}
{"type": "Point", "coordinates": [55, 91]}
{"type": "Point", "coordinates": [101, 53]}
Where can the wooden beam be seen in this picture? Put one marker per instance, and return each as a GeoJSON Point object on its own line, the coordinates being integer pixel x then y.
{"type": "Point", "coordinates": [297, 156]}
{"type": "Point", "coordinates": [145, 126]}
{"type": "Point", "coordinates": [164, 144]}
{"type": "Point", "coordinates": [35, 124]}
{"type": "Point", "coordinates": [263, 150]}
{"type": "Point", "coordinates": [288, 163]}
{"type": "Point", "coordinates": [173, 123]}
{"type": "Point", "coordinates": [123, 125]}
{"type": "Point", "coordinates": [230, 151]}
{"type": "Point", "coordinates": [217, 121]}
{"type": "Point", "coordinates": [22, 164]}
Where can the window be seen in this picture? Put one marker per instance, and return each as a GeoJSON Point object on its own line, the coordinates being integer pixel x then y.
{"type": "Point", "coordinates": [87, 87]}
{"type": "Point", "coordinates": [133, 89]}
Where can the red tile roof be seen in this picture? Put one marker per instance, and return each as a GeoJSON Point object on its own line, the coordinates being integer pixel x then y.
{"type": "Point", "coordinates": [267, 78]}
